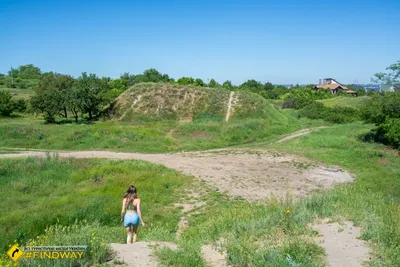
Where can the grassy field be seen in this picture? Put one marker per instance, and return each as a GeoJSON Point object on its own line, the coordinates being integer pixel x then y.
{"type": "Point", "coordinates": [16, 93]}
{"type": "Point", "coordinates": [147, 137]}
{"type": "Point", "coordinates": [345, 101]}
{"type": "Point", "coordinates": [81, 201]}
{"type": "Point", "coordinates": [275, 234]}
{"type": "Point", "coordinates": [65, 202]}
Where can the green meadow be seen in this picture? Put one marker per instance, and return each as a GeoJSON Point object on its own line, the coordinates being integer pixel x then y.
{"type": "Point", "coordinates": [146, 137]}
{"type": "Point", "coordinates": [82, 197]}
{"type": "Point", "coordinates": [53, 201]}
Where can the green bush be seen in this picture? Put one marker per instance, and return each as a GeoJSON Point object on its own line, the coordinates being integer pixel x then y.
{"type": "Point", "coordinates": [20, 105]}
{"type": "Point", "coordinates": [314, 111]}
{"type": "Point", "coordinates": [6, 104]}
{"type": "Point", "coordinates": [384, 112]}
{"type": "Point", "coordinates": [317, 110]}
{"type": "Point", "coordinates": [304, 96]}
{"type": "Point", "coordinates": [288, 103]}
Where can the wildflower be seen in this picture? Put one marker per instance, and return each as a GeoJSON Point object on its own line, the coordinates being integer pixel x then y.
{"type": "Point", "coordinates": [288, 210]}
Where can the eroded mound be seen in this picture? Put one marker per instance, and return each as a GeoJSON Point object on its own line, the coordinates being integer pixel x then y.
{"type": "Point", "coordinates": [152, 101]}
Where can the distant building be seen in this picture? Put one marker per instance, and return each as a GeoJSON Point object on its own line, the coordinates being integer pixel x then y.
{"type": "Point", "coordinates": [372, 86]}
{"type": "Point", "coordinates": [333, 86]}
{"type": "Point", "coordinates": [387, 88]}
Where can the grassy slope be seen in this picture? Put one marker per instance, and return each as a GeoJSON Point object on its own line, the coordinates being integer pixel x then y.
{"type": "Point", "coordinates": [204, 133]}
{"type": "Point", "coordinates": [156, 101]}
{"type": "Point", "coordinates": [345, 101]}
{"type": "Point", "coordinates": [38, 192]}
{"type": "Point", "coordinates": [24, 94]}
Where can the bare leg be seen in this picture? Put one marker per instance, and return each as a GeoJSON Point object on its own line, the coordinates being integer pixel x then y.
{"type": "Point", "coordinates": [134, 233]}
{"type": "Point", "coordinates": [129, 235]}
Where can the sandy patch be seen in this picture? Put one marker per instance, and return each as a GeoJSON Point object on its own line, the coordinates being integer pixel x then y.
{"type": "Point", "coordinates": [253, 176]}
{"type": "Point", "coordinates": [215, 255]}
{"type": "Point", "coordinates": [341, 243]}
{"type": "Point", "coordinates": [137, 254]}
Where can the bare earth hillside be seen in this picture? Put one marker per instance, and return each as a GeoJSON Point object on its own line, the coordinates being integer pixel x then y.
{"type": "Point", "coordinates": [152, 101]}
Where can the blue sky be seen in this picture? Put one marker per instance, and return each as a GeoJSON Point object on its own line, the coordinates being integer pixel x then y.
{"type": "Point", "coordinates": [276, 41]}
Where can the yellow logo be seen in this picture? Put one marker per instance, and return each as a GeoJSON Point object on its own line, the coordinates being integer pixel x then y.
{"type": "Point", "coordinates": [15, 253]}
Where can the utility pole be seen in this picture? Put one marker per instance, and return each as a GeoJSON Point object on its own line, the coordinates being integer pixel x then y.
{"type": "Point", "coordinates": [11, 74]}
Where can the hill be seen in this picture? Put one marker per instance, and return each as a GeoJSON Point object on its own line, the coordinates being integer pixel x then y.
{"type": "Point", "coordinates": [17, 93]}
{"type": "Point", "coordinates": [154, 101]}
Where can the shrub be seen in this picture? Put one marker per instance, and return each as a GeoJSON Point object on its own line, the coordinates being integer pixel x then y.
{"type": "Point", "coordinates": [317, 110]}
{"type": "Point", "coordinates": [387, 133]}
{"type": "Point", "coordinates": [288, 103]}
{"type": "Point", "coordinates": [384, 112]}
{"type": "Point", "coordinates": [314, 111]}
{"type": "Point", "coordinates": [20, 105]}
{"type": "Point", "coordinates": [6, 104]}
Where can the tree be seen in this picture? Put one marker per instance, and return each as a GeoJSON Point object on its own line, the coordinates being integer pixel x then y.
{"type": "Point", "coordinates": [392, 77]}
{"type": "Point", "coordinates": [87, 94]}
{"type": "Point", "coordinates": [52, 95]}
{"type": "Point", "coordinates": [251, 85]}
{"type": "Point", "coordinates": [185, 81]}
{"type": "Point", "coordinates": [152, 75]}
{"type": "Point", "coordinates": [228, 85]}
{"type": "Point", "coordinates": [6, 104]}
{"type": "Point", "coordinates": [213, 84]}
{"type": "Point", "coordinates": [199, 82]}
{"type": "Point", "coordinates": [47, 102]}
{"type": "Point", "coordinates": [28, 71]}
{"type": "Point", "coordinates": [63, 84]}
{"type": "Point", "coordinates": [129, 78]}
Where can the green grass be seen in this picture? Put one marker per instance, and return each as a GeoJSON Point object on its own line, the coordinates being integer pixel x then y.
{"type": "Point", "coordinates": [147, 137]}
{"type": "Point", "coordinates": [268, 235]}
{"type": "Point", "coordinates": [345, 101]}
{"type": "Point", "coordinates": [273, 233]}
{"type": "Point", "coordinates": [37, 193]}
{"type": "Point", "coordinates": [16, 93]}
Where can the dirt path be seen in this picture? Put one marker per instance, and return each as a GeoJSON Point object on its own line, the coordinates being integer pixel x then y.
{"type": "Point", "coordinates": [300, 133]}
{"type": "Point", "coordinates": [341, 244]}
{"type": "Point", "coordinates": [133, 104]}
{"type": "Point", "coordinates": [138, 254]}
{"type": "Point", "coordinates": [253, 176]}
{"type": "Point", "coordinates": [228, 113]}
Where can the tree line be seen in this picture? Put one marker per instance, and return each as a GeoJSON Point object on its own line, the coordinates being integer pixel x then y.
{"type": "Point", "coordinates": [61, 95]}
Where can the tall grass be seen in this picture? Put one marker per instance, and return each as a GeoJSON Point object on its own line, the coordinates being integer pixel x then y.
{"type": "Point", "coordinates": [147, 137]}
{"type": "Point", "coordinates": [37, 193]}
{"type": "Point", "coordinates": [345, 101]}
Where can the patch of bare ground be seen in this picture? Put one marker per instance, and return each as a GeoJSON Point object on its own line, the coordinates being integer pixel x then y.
{"type": "Point", "coordinates": [187, 211]}
{"type": "Point", "coordinates": [300, 133]}
{"type": "Point", "coordinates": [342, 244]}
{"type": "Point", "coordinates": [137, 254]}
{"type": "Point", "coordinates": [215, 255]}
{"type": "Point", "coordinates": [253, 175]}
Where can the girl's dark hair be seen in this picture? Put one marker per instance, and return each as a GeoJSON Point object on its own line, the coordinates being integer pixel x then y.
{"type": "Point", "coordinates": [131, 194]}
